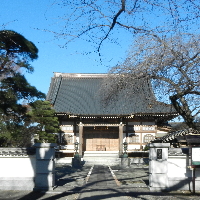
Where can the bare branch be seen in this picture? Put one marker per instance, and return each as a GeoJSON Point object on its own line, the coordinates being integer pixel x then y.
{"type": "Point", "coordinates": [113, 22]}
{"type": "Point", "coordinates": [172, 65]}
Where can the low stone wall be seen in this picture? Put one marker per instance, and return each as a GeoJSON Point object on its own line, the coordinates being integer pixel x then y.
{"type": "Point", "coordinates": [139, 161]}
{"type": "Point", "coordinates": [17, 168]}
{"type": "Point", "coordinates": [28, 168]}
{"type": "Point", "coordinates": [139, 157]}
{"type": "Point", "coordinates": [179, 171]}
{"type": "Point", "coordinates": [169, 169]}
{"type": "Point", "coordinates": [138, 154]}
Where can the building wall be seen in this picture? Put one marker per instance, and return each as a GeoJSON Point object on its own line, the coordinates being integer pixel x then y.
{"type": "Point", "coordinates": [139, 134]}
{"type": "Point", "coordinates": [136, 133]}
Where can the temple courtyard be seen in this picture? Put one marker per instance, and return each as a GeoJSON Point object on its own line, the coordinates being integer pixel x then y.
{"type": "Point", "coordinates": [99, 182]}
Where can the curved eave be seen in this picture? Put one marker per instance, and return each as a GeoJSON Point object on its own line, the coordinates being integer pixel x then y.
{"type": "Point", "coordinates": [166, 116]}
{"type": "Point", "coordinates": [172, 136]}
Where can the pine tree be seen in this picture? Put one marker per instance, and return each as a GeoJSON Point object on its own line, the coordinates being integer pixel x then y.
{"type": "Point", "coordinates": [47, 123]}
{"type": "Point", "coordinates": [16, 53]}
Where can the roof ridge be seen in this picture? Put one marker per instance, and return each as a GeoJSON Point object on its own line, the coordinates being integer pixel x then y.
{"type": "Point", "coordinates": [80, 75]}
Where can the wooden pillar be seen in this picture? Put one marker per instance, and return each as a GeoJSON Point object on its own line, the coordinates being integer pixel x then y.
{"type": "Point", "coordinates": [141, 135]}
{"type": "Point", "coordinates": [75, 131]}
{"type": "Point", "coordinates": [126, 131]}
{"type": "Point", "coordinates": [120, 139]}
{"type": "Point", "coordinates": [141, 140]}
{"type": "Point", "coordinates": [80, 139]}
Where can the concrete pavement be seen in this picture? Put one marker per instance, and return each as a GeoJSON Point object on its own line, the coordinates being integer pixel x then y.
{"type": "Point", "coordinates": [99, 182]}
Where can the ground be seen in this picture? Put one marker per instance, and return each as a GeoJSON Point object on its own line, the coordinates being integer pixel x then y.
{"type": "Point", "coordinates": [99, 182]}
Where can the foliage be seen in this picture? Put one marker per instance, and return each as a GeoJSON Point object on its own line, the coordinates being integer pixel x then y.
{"type": "Point", "coordinates": [47, 123]}
{"type": "Point", "coordinates": [12, 90]}
{"type": "Point", "coordinates": [173, 66]}
{"type": "Point", "coordinates": [15, 134]}
{"type": "Point", "coordinates": [14, 123]}
{"type": "Point", "coordinates": [16, 52]}
{"type": "Point", "coordinates": [146, 148]}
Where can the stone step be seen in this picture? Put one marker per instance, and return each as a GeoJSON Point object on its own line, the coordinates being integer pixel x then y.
{"type": "Point", "coordinates": [101, 157]}
{"type": "Point", "coordinates": [102, 154]}
{"type": "Point", "coordinates": [101, 160]}
{"type": "Point", "coordinates": [95, 157]}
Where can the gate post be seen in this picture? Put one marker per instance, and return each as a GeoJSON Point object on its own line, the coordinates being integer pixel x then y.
{"type": "Point", "coordinates": [158, 166]}
{"type": "Point", "coordinates": [45, 166]}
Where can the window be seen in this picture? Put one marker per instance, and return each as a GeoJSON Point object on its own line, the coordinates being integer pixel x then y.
{"type": "Point", "coordinates": [133, 138]}
{"type": "Point", "coordinates": [148, 138]}
{"type": "Point", "coordinates": [148, 128]}
{"type": "Point", "coordinates": [136, 128]}
{"type": "Point", "coordinates": [67, 128]}
{"type": "Point", "coordinates": [133, 128]}
{"type": "Point", "coordinates": [130, 128]}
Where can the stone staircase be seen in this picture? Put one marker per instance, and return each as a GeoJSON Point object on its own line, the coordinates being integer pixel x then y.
{"type": "Point", "coordinates": [101, 158]}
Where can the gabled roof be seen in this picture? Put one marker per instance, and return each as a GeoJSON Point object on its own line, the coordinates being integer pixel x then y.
{"type": "Point", "coordinates": [79, 94]}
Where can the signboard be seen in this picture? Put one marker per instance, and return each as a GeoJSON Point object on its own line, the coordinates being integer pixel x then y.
{"type": "Point", "coordinates": [159, 153]}
{"type": "Point", "coordinates": [195, 155]}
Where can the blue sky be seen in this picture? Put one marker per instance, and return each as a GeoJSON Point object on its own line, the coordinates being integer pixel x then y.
{"type": "Point", "coordinates": [38, 19]}
{"type": "Point", "coordinates": [34, 19]}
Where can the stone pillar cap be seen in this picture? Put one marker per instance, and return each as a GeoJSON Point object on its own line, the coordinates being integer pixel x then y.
{"type": "Point", "coordinates": [159, 145]}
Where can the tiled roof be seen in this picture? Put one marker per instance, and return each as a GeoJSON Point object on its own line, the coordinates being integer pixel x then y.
{"type": "Point", "coordinates": [6, 151]}
{"type": "Point", "coordinates": [174, 135]}
{"type": "Point", "coordinates": [79, 94]}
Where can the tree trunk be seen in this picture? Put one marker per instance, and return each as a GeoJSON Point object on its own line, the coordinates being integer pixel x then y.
{"type": "Point", "coordinates": [183, 110]}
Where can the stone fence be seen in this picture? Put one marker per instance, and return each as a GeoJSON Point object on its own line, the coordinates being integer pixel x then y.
{"type": "Point", "coordinates": [169, 169]}
{"type": "Point", "coordinates": [28, 168]}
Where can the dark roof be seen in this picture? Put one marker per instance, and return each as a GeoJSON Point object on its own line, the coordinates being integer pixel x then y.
{"type": "Point", "coordinates": [174, 135]}
{"type": "Point", "coordinates": [80, 94]}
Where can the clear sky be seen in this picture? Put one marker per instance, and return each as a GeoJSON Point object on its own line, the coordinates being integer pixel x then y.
{"type": "Point", "coordinates": [32, 18]}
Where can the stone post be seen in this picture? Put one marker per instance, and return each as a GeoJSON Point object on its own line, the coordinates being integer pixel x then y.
{"type": "Point", "coordinates": [45, 166]}
{"type": "Point", "coordinates": [120, 139]}
{"type": "Point", "coordinates": [158, 166]}
{"type": "Point", "coordinates": [76, 161]}
{"type": "Point", "coordinates": [125, 162]}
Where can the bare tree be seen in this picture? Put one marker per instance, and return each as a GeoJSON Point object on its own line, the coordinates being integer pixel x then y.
{"type": "Point", "coordinates": [96, 20]}
{"type": "Point", "coordinates": [172, 65]}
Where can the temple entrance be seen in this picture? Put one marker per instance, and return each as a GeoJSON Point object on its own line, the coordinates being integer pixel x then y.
{"type": "Point", "coordinates": [101, 138]}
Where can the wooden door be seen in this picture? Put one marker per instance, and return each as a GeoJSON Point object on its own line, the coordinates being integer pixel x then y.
{"type": "Point", "coordinates": [100, 139]}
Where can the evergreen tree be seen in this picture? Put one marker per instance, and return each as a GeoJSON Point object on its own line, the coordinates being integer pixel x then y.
{"type": "Point", "coordinates": [47, 123]}
{"type": "Point", "coordinates": [16, 53]}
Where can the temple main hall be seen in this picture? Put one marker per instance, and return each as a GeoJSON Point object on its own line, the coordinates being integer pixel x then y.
{"type": "Point", "coordinates": [101, 127]}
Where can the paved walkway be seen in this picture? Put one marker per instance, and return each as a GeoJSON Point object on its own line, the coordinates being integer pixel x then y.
{"type": "Point", "coordinates": [99, 183]}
